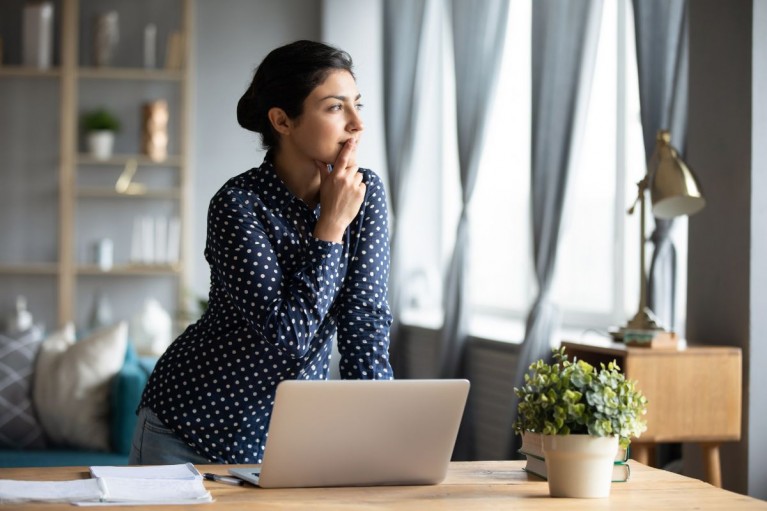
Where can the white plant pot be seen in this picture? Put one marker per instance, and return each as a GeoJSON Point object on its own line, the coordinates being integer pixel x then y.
{"type": "Point", "coordinates": [100, 144]}
{"type": "Point", "coordinates": [579, 466]}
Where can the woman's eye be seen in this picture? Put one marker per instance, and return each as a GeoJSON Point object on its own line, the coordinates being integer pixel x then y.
{"type": "Point", "coordinates": [359, 106]}
{"type": "Point", "coordinates": [336, 108]}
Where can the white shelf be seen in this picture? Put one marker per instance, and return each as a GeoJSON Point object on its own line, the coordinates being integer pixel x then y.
{"type": "Point", "coordinates": [120, 160]}
{"type": "Point", "coordinates": [29, 72]}
{"type": "Point", "coordinates": [126, 73]}
{"type": "Point", "coordinates": [110, 193]}
{"type": "Point", "coordinates": [29, 268]}
{"type": "Point", "coordinates": [127, 270]}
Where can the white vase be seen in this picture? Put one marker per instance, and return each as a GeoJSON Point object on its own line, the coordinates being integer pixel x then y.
{"type": "Point", "coordinates": [100, 144]}
{"type": "Point", "coordinates": [579, 466]}
{"type": "Point", "coordinates": [151, 329]}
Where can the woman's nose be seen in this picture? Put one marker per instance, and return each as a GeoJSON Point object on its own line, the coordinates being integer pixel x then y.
{"type": "Point", "coordinates": [355, 122]}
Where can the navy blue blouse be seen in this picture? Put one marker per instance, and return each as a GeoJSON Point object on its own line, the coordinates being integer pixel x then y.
{"type": "Point", "coordinates": [277, 297]}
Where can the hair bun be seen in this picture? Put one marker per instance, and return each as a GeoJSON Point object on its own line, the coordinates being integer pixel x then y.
{"type": "Point", "coordinates": [245, 112]}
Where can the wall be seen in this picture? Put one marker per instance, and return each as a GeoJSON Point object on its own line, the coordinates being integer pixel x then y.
{"type": "Point", "coordinates": [232, 37]}
{"type": "Point", "coordinates": [757, 382]}
{"type": "Point", "coordinates": [726, 290]}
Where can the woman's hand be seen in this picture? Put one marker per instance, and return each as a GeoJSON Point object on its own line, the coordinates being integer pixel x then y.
{"type": "Point", "coordinates": [341, 194]}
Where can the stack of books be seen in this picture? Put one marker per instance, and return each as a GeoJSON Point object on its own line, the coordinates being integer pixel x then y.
{"type": "Point", "coordinates": [532, 449]}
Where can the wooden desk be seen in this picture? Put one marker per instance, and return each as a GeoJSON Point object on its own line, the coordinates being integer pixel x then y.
{"type": "Point", "coordinates": [694, 395]}
{"type": "Point", "coordinates": [475, 486]}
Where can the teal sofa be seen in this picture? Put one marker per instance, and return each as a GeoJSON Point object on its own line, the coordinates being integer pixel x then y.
{"type": "Point", "coordinates": [125, 394]}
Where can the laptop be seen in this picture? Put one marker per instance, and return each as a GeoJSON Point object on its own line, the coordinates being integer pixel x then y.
{"type": "Point", "coordinates": [360, 433]}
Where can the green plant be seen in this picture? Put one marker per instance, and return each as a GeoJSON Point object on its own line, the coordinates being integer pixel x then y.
{"type": "Point", "coordinates": [100, 120]}
{"type": "Point", "coordinates": [575, 398]}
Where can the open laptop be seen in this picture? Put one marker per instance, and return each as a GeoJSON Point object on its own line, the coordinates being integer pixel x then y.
{"type": "Point", "coordinates": [360, 433]}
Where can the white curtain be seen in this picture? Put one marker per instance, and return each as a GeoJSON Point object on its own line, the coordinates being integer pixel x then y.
{"type": "Point", "coordinates": [565, 35]}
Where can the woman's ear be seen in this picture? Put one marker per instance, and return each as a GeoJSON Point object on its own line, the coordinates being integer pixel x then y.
{"type": "Point", "coordinates": [280, 120]}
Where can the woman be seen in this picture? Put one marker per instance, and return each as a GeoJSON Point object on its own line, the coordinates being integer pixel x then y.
{"type": "Point", "coordinates": [298, 251]}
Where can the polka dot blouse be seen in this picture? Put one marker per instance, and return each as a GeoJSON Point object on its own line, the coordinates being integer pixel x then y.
{"type": "Point", "coordinates": [278, 296]}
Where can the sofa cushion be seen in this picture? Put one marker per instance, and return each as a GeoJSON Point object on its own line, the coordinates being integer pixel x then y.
{"type": "Point", "coordinates": [127, 387]}
{"type": "Point", "coordinates": [19, 425]}
{"type": "Point", "coordinates": [72, 386]}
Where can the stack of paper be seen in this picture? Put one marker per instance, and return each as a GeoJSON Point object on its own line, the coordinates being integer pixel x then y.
{"type": "Point", "coordinates": [161, 484]}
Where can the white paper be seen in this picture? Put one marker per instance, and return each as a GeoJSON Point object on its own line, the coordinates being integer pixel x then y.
{"type": "Point", "coordinates": [49, 491]}
{"type": "Point", "coordinates": [180, 471]}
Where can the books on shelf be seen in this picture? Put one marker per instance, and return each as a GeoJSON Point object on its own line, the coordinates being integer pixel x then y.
{"type": "Point", "coordinates": [116, 486]}
{"type": "Point", "coordinates": [532, 449]}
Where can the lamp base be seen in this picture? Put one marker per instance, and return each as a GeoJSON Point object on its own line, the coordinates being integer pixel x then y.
{"type": "Point", "coordinates": [644, 321]}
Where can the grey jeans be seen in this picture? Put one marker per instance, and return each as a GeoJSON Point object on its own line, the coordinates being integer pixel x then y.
{"type": "Point", "coordinates": [155, 444]}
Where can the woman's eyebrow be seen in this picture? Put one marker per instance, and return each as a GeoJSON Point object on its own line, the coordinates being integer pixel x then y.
{"type": "Point", "coordinates": [341, 98]}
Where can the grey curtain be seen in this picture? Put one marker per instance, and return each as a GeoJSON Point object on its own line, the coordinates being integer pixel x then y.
{"type": "Point", "coordinates": [403, 25]}
{"type": "Point", "coordinates": [564, 48]}
{"type": "Point", "coordinates": [479, 31]}
{"type": "Point", "coordinates": [662, 60]}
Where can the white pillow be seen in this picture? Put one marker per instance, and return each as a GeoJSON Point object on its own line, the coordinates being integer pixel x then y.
{"type": "Point", "coordinates": [72, 381]}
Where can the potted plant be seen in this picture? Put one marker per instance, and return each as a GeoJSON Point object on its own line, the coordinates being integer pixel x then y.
{"type": "Point", "coordinates": [100, 126]}
{"type": "Point", "coordinates": [583, 415]}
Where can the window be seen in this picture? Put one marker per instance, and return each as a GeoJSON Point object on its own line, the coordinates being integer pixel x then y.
{"type": "Point", "coordinates": [596, 284]}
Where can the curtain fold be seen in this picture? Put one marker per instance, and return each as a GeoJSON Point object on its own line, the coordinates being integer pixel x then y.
{"type": "Point", "coordinates": [662, 61]}
{"type": "Point", "coordinates": [403, 28]}
{"type": "Point", "coordinates": [479, 31]}
{"type": "Point", "coordinates": [565, 36]}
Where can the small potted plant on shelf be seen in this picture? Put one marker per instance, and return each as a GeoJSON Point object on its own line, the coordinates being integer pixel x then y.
{"type": "Point", "coordinates": [583, 415]}
{"type": "Point", "coordinates": [100, 127]}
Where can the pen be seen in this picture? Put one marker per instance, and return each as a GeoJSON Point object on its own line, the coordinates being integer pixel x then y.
{"type": "Point", "coordinates": [223, 479]}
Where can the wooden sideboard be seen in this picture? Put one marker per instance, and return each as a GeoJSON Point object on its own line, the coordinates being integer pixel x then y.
{"type": "Point", "coordinates": [694, 394]}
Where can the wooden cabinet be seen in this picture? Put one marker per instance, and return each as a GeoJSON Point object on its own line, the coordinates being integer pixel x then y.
{"type": "Point", "coordinates": [56, 202]}
{"type": "Point", "coordinates": [693, 394]}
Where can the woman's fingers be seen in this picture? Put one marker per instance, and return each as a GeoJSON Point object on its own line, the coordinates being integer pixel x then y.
{"type": "Point", "coordinates": [344, 157]}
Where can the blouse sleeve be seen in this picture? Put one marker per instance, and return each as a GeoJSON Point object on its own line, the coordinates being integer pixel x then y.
{"type": "Point", "coordinates": [363, 315]}
{"type": "Point", "coordinates": [284, 309]}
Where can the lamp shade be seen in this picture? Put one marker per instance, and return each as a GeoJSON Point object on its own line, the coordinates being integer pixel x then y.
{"type": "Point", "coordinates": [674, 189]}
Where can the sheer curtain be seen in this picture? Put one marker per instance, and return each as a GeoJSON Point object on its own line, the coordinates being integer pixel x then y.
{"type": "Point", "coordinates": [479, 31]}
{"type": "Point", "coordinates": [403, 26]}
{"type": "Point", "coordinates": [564, 49]}
{"type": "Point", "coordinates": [662, 61]}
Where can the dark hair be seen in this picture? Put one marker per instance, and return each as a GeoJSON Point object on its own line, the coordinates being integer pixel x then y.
{"type": "Point", "coordinates": [284, 79]}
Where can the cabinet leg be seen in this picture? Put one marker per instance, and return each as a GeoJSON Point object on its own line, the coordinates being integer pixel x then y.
{"type": "Point", "coordinates": [712, 463]}
{"type": "Point", "coordinates": [642, 453]}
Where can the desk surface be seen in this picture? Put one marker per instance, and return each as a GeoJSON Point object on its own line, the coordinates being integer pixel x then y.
{"type": "Point", "coordinates": [471, 485]}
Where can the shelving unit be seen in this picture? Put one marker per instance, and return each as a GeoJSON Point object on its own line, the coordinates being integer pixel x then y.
{"type": "Point", "coordinates": [82, 204]}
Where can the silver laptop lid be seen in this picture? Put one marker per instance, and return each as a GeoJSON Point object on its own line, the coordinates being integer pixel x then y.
{"type": "Point", "coordinates": [362, 432]}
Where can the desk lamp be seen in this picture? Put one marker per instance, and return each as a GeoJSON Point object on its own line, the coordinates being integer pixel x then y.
{"type": "Point", "coordinates": [674, 191]}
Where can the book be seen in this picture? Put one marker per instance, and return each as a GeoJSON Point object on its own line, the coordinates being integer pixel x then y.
{"type": "Point", "coordinates": [177, 472]}
{"type": "Point", "coordinates": [537, 466]}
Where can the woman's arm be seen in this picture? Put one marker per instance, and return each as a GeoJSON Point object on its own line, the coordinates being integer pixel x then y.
{"type": "Point", "coordinates": [363, 313]}
{"type": "Point", "coordinates": [284, 309]}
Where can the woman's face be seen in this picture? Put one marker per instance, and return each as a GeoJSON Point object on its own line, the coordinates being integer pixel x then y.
{"type": "Point", "coordinates": [331, 116]}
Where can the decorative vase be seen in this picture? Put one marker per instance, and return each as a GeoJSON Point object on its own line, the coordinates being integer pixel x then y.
{"type": "Point", "coordinates": [151, 329]}
{"type": "Point", "coordinates": [155, 130]}
{"type": "Point", "coordinates": [37, 34]}
{"type": "Point", "coordinates": [107, 35]}
{"type": "Point", "coordinates": [579, 466]}
{"type": "Point", "coordinates": [100, 144]}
